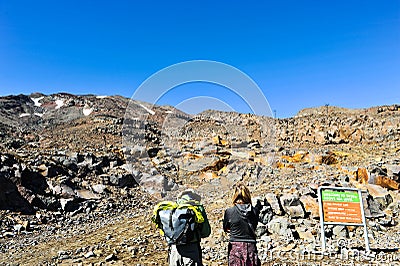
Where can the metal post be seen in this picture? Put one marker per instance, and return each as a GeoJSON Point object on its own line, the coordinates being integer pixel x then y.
{"type": "Point", "coordinates": [321, 217]}
{"type": "Point", "coordinates": [367, 248]}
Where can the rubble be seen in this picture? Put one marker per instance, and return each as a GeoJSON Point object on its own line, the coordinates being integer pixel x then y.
{"type": "Point", "coordinates": [71, 190]}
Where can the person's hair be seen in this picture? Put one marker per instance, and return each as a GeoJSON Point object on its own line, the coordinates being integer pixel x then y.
{"type": "Point", "coordinates": [241, 192]}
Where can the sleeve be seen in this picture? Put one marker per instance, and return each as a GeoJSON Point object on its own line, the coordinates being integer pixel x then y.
{"type": "Point", "coordinates": [225, 223]}
{"type": "Point", "coordinates": [205, 228]}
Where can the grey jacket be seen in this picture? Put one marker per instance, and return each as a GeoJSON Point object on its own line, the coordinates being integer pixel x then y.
{"type": "Point", "coordinates": [241, 221]}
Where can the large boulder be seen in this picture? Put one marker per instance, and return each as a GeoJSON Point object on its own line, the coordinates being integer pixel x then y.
{"type": "Point", "coordinates": [310, 205]}
{"type": "Point", "coordinates": [273, 201]}
{"type": "Point", "coordinates": [280, 226]}
{"type": "Point", "coordinates": [10, 197]}
{"type": "Point", "coordinates": [292, 205]}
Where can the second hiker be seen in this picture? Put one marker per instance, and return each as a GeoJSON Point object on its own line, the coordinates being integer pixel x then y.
{"type": "Point", "coordinates": [241, 222]}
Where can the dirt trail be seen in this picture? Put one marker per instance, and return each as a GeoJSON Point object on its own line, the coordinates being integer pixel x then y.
{"type": "Point", "coordinates": [133, 239]}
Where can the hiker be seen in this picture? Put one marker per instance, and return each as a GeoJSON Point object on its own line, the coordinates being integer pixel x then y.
{"type": "Point", "coordinates": [241, 222]}
{"type": "Point", "coordinates": [183, 224]}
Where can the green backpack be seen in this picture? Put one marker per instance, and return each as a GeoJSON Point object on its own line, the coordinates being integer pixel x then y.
{"type": "Point", "coordinates": [178, 223]}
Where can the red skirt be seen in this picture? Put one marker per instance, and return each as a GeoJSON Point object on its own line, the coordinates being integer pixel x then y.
{"type": "Point", "coordinates": [243, 254]}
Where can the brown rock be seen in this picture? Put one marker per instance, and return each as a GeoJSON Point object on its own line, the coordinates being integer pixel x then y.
{"type": "Point", "coordinates": [358, 135]}
{"type": "Point", "coordinates": [310, 205]}
{"type": "Point", "coordinates": [362, 175]}
{"type": "Point", "coordinates": [86, 194]}
{"type": "Point", "coordinates": [305, 234]}
{"type": "Point", "coordinates": [386, 182]}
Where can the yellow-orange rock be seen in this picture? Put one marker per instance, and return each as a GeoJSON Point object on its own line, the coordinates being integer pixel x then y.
{"type": "Point", "coordinates": [386, 182]}
{"type": "Point", "coordinates": [362, 175]}
{"type": "Point", "coordinates": [310, 205]}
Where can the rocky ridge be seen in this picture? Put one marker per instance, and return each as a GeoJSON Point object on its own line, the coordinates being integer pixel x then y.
{"type": "Point", "coordinates": [66, 172]}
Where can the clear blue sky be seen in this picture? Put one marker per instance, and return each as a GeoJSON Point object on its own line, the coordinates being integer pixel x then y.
{"type": "Point", "coordinates": [301, 53]}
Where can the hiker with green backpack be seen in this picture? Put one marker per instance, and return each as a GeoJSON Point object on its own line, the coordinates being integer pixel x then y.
{"type": "Point", "coordinates": [183, 224]}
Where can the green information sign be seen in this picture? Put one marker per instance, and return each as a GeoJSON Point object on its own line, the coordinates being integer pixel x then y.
{"type": "Point", "coordinates": [341, 206]}
{"type": "Point", "coordinates": [340, 196]}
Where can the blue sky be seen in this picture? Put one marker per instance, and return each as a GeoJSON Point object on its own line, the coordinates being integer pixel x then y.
{"type": "Point", "coordinates": [300, 53]}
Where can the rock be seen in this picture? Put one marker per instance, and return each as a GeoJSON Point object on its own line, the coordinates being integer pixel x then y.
{"type": "Point", "coordinates": [386, 182]}
{"type": "Point", "coordinates": [79, 157]}
{"type": "Point", "coordinates": [56, 190]}
{"type": "Point", "coordinates": [8, 234]}
{"type": "Point", "coordinates": [152, 152]}
{"type": "Point", "coordinates": [114, 164]}
{"type": "Point", "coordinates": [50, 203]}
{"type": "Point", "coordinates": [98, 252]}
{"type": "Point", "coordinates": [70, 164]}
{"type": "Point", "coordinates": [133, 250]}
{"type": "Point", "coordinates": [305, 234]}
{"type": "Point", "coordinates": [288, 247]}
{"type": "Point", "coordinates": [63, 255]}
{"type": "Point", "coordinates": [394, 207]}
{"type": "Point", "coordinates": [123, 180]}
{"type": "Point", "coordinates": [86, 194]}
{"type": "Point", "coordinates": [42, 169]}
{"type": "Point", "coordinates": [374, 209]}
{"type": "Point", "coordinates": [261, 230]}
{"type": "Point", "coordinates": [69, 205]}
{"type": "Point", "coordinates": [153, 184]}
{"type": "Point", "coordinates": [111, 257]}
{"type": "Point", "coordinates": [67, 191]}
{"type": "Point", "coordinates": [54, 170]}
{"type": "Point", "coordinates": [362, 175]}
{"type": "Point", "coordinates": [310, 205]}
{"type": "Point", "coordinates": [292, 206]}
{"type": "Point", "coordinates": [99, 188]}
{"type": "Point", "coordinates": [33, 181]}
{"type": "Point", "coordinates": [393, 172]}
{"type": "Point", "coordinates": [340, 231]}
{"type": "Point", "coordinates": [280, 226]}
{"type": "Point", "coordinates": [274, 203]}
{"type": "Point", "coordinates": [387, 221]}
{"type": "Point", "coordinates": [266, 213]}
{"type": "Point", "coordinates": [11, 198]}
{"type": "Point", "coordinates": [105, 179]}
{"type": "Point", "coordinates": [380, 194]}
{"type": "Point", "coordinates": [203, 164]}
{"type": "Point", "coordinates": [18, 227]}
{"type": "Point", "coordinates": [89, 254]}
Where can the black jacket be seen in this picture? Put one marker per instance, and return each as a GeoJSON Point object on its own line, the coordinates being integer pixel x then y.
{"type": "Point", "coordinates": [241, 221]}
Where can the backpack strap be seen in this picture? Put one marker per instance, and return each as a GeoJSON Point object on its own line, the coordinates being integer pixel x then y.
{"type": "Point", "coordinates": [185, 229]}
{"type": "Point", "coordinates": [163, 205]}
{"type": "Point", "coordinates": [170, 220]}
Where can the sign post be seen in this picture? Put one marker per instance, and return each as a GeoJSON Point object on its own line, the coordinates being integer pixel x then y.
{"type": "Point", "coordinates": [341, 206]}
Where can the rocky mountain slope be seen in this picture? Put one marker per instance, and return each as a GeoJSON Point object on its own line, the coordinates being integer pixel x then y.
{"type": "Point", "coordinates": [70, 168]}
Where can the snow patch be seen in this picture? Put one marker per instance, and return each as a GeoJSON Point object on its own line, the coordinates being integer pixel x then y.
{"type": "Point", "coordinates": [147, 109]}
{"type": "Point", "coordinates": [59, 103]}
{"type": "Point", "coordinates": [87, 111]}
{"type": "Point", "coordinates": [169, 112]}
{"type": "Point", "coordinates": [36, 101]}
{"type": "Point", "coordinates": [24, 115]}
{"type": "Point", "coordinates": [38, 114]}
{"type": "Point", "coordinates": [101, 96]}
